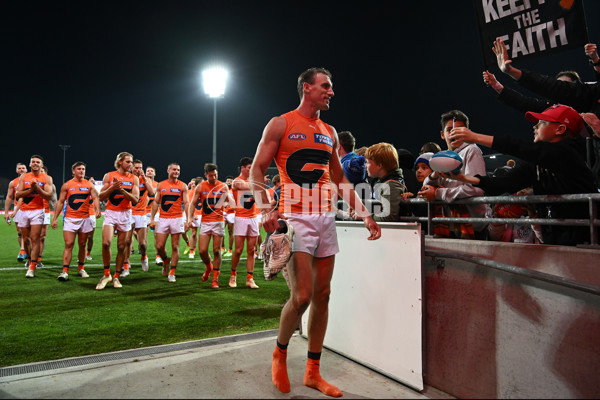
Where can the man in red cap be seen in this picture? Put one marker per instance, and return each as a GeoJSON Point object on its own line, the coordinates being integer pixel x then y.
{"type": "Point", "coordinates": [555, 164]}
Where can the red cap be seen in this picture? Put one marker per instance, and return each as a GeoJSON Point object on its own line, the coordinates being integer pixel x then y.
{"type": "Point", "coordinates": [558, 113]}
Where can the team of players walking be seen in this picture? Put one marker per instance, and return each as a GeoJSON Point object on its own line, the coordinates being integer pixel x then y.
{"type": "Point", "coordinates": [134, 203]}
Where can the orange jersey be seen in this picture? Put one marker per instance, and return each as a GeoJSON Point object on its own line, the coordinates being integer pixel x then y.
{"type": "Point", "coordinates": [116, 201]}
{"type": "Point", "coordinates": [139, 208]}
{"type": "Point", "coordinates": [79, 196]}
{"type": "Point", "coordinates": [33, 201]}
{"type": "Point", "coordinates": [271, 193]}
{"type": "Point", "coordinates": [198, 205]}
{"type": "Point", "coordinates": [245, 205]}
{"type": "Point", "coordinates": [14, 183]}
{"type": "Point", "coordinates": [92, 207]}
{"type": "Point", "coordinates": [171, 198]}
{"type": "Point", "coordinates": [303, 162]}
{"type": "Point", "coordinates": [210, 195]}
{"type": "Point", "coordinates": [151, 198]}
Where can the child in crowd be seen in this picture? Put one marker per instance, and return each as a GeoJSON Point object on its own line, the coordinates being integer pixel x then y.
{"type": "Point", "coordinates": [382, 164]}
{"type": "Point", "coordinates": [554, 164]}
{"type": "Point", "coordinates": [422, 171]}
{"type": "Point", "coordinates": [439, 187]}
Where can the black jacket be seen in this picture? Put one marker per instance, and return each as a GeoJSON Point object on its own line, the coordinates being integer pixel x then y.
{"type": "Point", "coordinates": [550, 168]}
{"type": "Point", "coordinates": [389, 191]}
{"type": "Point", "coordinates": [581, 96]}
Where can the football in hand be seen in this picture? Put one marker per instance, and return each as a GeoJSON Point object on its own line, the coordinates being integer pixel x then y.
{"type": "Point", "coordinates": [446, 161]}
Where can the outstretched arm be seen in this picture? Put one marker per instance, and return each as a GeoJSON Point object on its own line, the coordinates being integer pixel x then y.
{"type": "Point", "coordinates": [463, 134]}
{"type": "Point", "coordinates": [504, 62]}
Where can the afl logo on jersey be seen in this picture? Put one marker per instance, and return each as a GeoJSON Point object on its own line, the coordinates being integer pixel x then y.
{"type": "Point", "coordinates": [296, 136]}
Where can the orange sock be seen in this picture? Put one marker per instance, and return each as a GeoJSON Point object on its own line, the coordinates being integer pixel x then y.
{"type": "Point", "coordinates": [33, 265]}
{"type": "Point", "coordinates": [116, 275]}
{"type": "Point", "coordinates": [279, 373]}
{"type": "Point", "coordinates": [206, 274]}
{"type": "Point", "coordinates": [313, 379]}
{"type": "Point", "coordinates": [80, 266]}
{"type": "Point", "coordinates": [66, 269]}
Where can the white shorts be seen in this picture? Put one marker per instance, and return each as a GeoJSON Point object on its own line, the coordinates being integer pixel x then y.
{"type": "Point", "coordinates": [213, 228]}
{"type": "Point", "coordinates": [170, 225]}
{"type": "Point", "coordinates": [31, 217]}
{"type": "Point", "coordinates": [246, 227]}
{"type": "Point", "coordinates": [230, 218]}
{"type": "Point", "coordinates": [139, 221]}
{"type": "Point", "coordinates": [259, 218]}
{"type": "Point", "coordinates": [92, 219]}
{"type": "Point", "coordinates": [17, 218]}
{"type": "Point", "coordinates": [118, 219]}
{"type": "Point", "coordinates": [155, 217]}
{"type": "Point", "coordinates": [47, 218]}
{"type": "Point", "coordinates": [83, 225]}
{"type": "Point", "coordinates": [314, 234]}
{"type": "Point", "coordinates": [197, 222]}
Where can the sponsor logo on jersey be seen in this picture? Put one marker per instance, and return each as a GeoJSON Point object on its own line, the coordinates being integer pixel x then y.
{"type": "Point", "coordinates": [323, 139]}
{"type": "Point", "coordinates": [175, 190]}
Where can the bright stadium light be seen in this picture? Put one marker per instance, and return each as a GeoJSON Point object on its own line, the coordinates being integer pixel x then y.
{"type": "Point", "coordinates": [214, 81]}
{"type": "Point", "coordinates": [214, 86]}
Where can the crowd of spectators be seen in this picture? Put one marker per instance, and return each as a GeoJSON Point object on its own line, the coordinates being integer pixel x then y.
{"type": "Point", "coordinates": [564, 158]}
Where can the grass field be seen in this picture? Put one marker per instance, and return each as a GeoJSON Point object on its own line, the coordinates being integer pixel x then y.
{"type": "Point", "coordinates": [44, 319]}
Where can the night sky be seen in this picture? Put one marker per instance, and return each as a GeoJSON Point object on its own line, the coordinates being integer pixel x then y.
{"type": "Point", "coordinates": [108, 76]}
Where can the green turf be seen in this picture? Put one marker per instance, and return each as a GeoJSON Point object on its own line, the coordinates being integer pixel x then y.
{"type": "Point", "coordinates": [44, 319]}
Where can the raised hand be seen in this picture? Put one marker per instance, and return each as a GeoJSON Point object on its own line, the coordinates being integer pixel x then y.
{"type": "Point", "coordinates": [501, 53]}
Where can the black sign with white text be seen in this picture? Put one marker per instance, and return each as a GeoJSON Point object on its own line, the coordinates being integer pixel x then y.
{"type": "Point", "coordinates": [530, 28]}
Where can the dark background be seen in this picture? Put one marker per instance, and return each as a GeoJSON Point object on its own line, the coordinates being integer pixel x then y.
{"type": "Point", "coordinates": [112, 76]}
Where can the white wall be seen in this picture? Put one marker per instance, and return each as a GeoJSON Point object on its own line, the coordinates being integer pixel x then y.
{"type": "Point", "coordinates": [376, 307]}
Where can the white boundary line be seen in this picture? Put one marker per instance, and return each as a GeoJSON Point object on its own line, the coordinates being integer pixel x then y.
{"type": "Point", "coordinates": [22, 268]}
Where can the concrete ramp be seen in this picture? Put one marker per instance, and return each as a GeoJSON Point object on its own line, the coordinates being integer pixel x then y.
{"type": "Point", "coordinates": [233, 367]}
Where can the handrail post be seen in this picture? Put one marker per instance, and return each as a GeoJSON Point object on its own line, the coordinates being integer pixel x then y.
{"type": "Point", "coordinates": [429, 218]}
{"type": "Point", "coordinates": [593, 216]}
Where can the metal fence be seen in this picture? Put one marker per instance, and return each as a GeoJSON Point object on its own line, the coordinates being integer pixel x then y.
{"type": "Point", "coordinates": [591, 199]}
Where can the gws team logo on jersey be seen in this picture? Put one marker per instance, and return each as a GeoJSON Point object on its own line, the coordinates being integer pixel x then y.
{"type": "Point", "coordinates": [323, 139]}
{"type": "Point", "coordinates": [213, 200]}
{"type": "Point", "coordinates": [297, 136]}
{"type": "Point", "coordinates": [306, 166]}
{"type": "Point", "coordinates": [75, 201]}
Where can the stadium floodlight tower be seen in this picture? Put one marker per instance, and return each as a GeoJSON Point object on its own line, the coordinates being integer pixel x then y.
{"type": "Point", "coordinates": [214, 86]}
{"type": "Point", "coordinates": [64, 148]}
